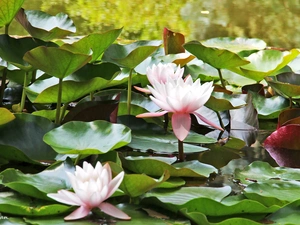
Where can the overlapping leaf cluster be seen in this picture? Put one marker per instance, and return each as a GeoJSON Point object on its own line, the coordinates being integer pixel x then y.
{"type": "Point", "coordinates": [64, 100]}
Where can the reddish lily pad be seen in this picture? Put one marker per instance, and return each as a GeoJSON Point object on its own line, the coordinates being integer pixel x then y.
{"type": "Point", "coordinates": [173, 42]}
{"type": "Point", "coordinates": [284, 145]}
{"type": "Point", "coordinates": [289, 116]}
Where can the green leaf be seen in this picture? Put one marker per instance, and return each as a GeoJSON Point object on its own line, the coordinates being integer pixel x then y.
{"type": "Point", "coordinates": [97, 42]}
{"type": "Point", "coordinates": [153, 166]}
{"type": "Point", "coordinates": [65, 62]}
{"type": "Point", "coordinates": [219, 101]}
{"type": "Point", "coordinates": [137, 184]}
{"type": "Point", "coordinates": [130, 55]}
{"type": "Point", "coordinates": [6, 116]}
{"type": "Point", "coordinates": [26, 133]}
{"type": "Point", "coordinates": [265, 63]}
{"type": "Point", "coordinates": [13, 49]}
{"type": "Point", "coordinates": [269, 108]}
{"type": "Point", "coordinates": [218, 58]}
{"type": "Point", "coordinates": [8, 10]}
{"type": "Point", "coordinates": [16, 204]}
{"type": "Point", "coordinates": [263, 172]}
{"type": "Point", "coordinates": [44, 26]}
{"type": "Point", "coordinates": [95, 137]}
{"type": "Point", "coordinates": [38, 185]}
{"type": "Point", "coordinates": [235, 45]}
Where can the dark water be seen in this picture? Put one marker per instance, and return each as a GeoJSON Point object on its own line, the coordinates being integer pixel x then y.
{"type": "Point", "coordinates": [276, 22]}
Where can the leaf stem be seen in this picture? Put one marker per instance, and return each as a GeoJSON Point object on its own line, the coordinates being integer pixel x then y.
{"type": "Point", "coordinates": [180, 151]}
{"type": "Point", "coordinates": [58, 106]}
{"type": "Point", "coordinates": [23, 98]}
{"type": "Point", "coordinates": [2, 88]}
{"type": "Point", "coordinates": [129, 92]}
{"type": "Point", "coordinates": [221, 78]}
{"type": "Point", "coordinates": [220, 120]}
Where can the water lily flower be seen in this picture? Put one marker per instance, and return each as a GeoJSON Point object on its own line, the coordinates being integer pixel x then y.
{"type": "Point", "coordinates": [182, 98]}
{"type": "Point", "coordinates": [161, 73]}
{"type": "Point", "coordinates": [92, 186]}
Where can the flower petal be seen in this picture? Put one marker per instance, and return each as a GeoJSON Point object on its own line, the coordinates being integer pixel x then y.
{"type": "Point", "coordinates": [66, 197]}
{"type": "Point", "coordinates": [181, 124]}
{"type": "Point", "coordinates": [115, 183]}
{"type": "Point", "coordinates": [144, 90]}
{"type": "Point", "coordinates": [111, 210]}
{"type": "Point", "coordinates": [151, 114]}
{"type": "Point", "coordinates": [198, 116]}
{"type": "Point", "coordinates": [78, 213]}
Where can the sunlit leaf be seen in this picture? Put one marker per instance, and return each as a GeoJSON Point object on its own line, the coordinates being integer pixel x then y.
{"type": "Point", "coordinates": [6, 116]}
{"type": "Point", "coordinates": [65, 62]}
{"type": "Point", "coordinates": [44, 26]}
{"type": "Point", "coordinates": [8, 10]}
{"type": "Point", "coordinates": [88, 137]}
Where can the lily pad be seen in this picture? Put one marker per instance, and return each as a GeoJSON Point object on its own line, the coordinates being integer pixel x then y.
{"type": "Point", "coordinates": [38, 185]}
{"type": "Point", "coordinates": [153, 166]}
{"type": "Point", "coordinates": [235, 45]}
{"type": "Point", "coordinates": [44, 26]}
{"type": "Point", "coordinates": [8, 10]}
{"type": "Point", "coordinates": [218, 58]}
{"type": "Point", "coordinates": [289, 116]}
{"type": "Point", "coordinates": [173, 42]}
{"type": "Point", "coordinates": [95, 137]}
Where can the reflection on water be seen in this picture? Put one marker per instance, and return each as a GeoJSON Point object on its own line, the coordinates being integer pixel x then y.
{"type": "Point", "coordinates": [276, 22]}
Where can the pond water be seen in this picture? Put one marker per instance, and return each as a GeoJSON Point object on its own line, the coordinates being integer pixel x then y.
{"type": "Point", "coordinates": [276, 22]}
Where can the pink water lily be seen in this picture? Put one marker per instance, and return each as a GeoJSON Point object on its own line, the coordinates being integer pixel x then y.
{"type": "Point", "coordinates": [92, 186]}
{"type": "Point", "coordinates": [182, 98]}
{"type": "Point", "coordinates": [161, 73]}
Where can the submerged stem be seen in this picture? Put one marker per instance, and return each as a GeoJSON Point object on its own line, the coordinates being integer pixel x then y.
{"type": "Point", "coordinates": [23, 98]}
{"type": "Point", "coordinates": [2, 88]}
{"type": "Point", "coordinates": [221, 78]}
{"type": "Point", "coordinates": [129, 92]}
{"type": "Point", "coordinates": [58, 106]}
{"type": "Point", "coordinates": [180, 151]}
{"type": "Point", "coordinates": [220, 120]}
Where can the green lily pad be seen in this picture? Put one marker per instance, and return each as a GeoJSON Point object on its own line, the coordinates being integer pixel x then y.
{"type": "Point", "coordinates": [263, 172]}
{"type": "Point", "coordinates": [44, 26]}
{"type": "Point", "coordinates": [137, 184]}
{"type": "Point", "coordinates": [269, 108]}
{"type": "Point", "coordinates": [8, 10]}
{"type": "Point", "coordinates": [13, 49]}
{"type": "Point", "coordinates": [273, 192]}
{"type": "Point", "coordinates": [265, 63]}
{"type": "Point", "coordinates": [6, 116]}
{"type": "Point", "coordinates": [218, 58]}
{"type": "Point", "coordinates": [153, 166]}
{"type": "Point", "coordinates": [97, 42]}
{"type": "Point", "coordinates": [219, 101]}
{"type": "Point", "coordinates": [95, 137]}
{"type": "Point", "coordinates": [38, 185]}
{"type": "Point", "coordinates": [235, 45]}
{"type": "Point", "coordinates": [65, 62]}
{"type": "Point", "coordinates": [16, 204]}
{"type": "Point", "coordinates": [25, 133]}
{"type": "Point", "coordinates": [130, 55]}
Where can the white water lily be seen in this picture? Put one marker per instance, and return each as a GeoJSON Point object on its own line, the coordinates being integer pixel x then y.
{"type": "Point", "coordinates": [161, 73]}
{"type": "Point", "coordinates": [92, 186]}
{"type": "Point", "coordinates": [181, 98]}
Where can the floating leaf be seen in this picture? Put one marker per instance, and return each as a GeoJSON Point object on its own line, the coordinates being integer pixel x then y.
{"type": "Point", "coordinates": [289, 116]}
{"type": "Point", "coordinates": [38, 185]}
{"type": "Point", "coordinates": [235, 45]}
{"type": "Point", "coordinates": [16, 204]}
{"type": "Point", "coordinates": [8, 10]}
{"type": "Point", "coordinates": [153, 166]}
{"type": "Point", "coordinates": [44, 26]}
{"type": "Point", "coordinates": [284, 145]}
{"type": "Point", "coordinates": [95, 137]}
{"type": "Point", "coordinates": [25, 133]}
